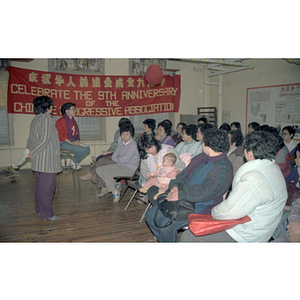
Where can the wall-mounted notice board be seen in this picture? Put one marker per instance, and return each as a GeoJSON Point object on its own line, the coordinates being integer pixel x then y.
{"type": "Point", "coordinates": [277, 105]}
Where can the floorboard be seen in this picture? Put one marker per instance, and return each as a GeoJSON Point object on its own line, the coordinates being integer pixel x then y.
{"type": "Point", "coordinates": [85, 217]}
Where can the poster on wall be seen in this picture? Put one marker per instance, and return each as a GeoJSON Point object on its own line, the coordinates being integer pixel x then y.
{"type": "Point", "coordinates": [94, 95]}
{"type": "Point", "coordinates": [277, 106]}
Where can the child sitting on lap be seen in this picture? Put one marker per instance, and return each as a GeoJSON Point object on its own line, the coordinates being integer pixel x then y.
{"type": "Point", "coordinates": [162, 176]}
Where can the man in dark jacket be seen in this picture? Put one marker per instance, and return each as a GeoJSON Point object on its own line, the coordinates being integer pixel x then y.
{"type": "Point", "coordinates": [204, 181]}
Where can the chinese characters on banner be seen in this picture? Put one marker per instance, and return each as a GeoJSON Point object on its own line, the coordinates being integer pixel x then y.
{"type": "Point", "coordinates": [94, 96]}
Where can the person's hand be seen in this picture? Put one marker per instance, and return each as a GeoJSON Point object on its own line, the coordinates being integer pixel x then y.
{"type": "Point", "coordinates": [75, 143]}
{"type": "Point", "coordinates": [294, 232]}
{"type": "Point", "coordinates": [287, 208]}
{"type": "Point", "coordinates": [148, 175]}
{"type": "Point", "coordinates": [30, 156]}
{"type": "Point", "coordinates": [173, 194]}
{"type": "Point", "coordinates": [105, 152]}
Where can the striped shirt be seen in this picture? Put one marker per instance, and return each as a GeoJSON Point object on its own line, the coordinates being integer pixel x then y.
{"type": "Point", "coordinates": [43, 144]}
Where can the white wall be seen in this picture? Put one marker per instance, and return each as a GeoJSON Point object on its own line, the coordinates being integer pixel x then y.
{"type": "Point", "coordinates": [266, 72]}
{"type": "Point", "coordinates": [194, 93]}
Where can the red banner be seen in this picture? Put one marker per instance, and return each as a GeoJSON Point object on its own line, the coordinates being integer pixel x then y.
{"type": "Point", "coordinates": [94, 95]}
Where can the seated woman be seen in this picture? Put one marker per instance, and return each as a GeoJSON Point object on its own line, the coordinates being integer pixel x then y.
{"type": "Point", "coordinates": [149, 126]}
{"type": "Point", "coordinates": [69, 137]}
{"type": "Point", "coordinates": [151, 153]}
{"type": "Point", "coordinates": [294, 175]}
{"type": "Point", "coordinates": [189, 144]}
{"type": "Point", "coordinates": [282, 158]}
{"type": "Point", "coordinates": [114, 144]}
{"type": "Point", "coordinates": [105, 158]}
{"type": "Point", "coordinates": [258, 190]}
{"type": "Point", "coordinates": [162, 176]}
{"type": "Point", "coordinates": [178, 136]}
{"type": "Point", "coordinates": [236, 126]}
{"type": "Point", "coordinates": [126, 158]}
{"type": "Point", "coordinates": [288, 133]}
{"type": "Point", "coordinates": [164, 133]}
{"type": "Point", "coordinates": [235, 153]}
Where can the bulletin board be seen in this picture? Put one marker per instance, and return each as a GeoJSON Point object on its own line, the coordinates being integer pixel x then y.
{"type": "Point", "coordinates": [277, 106]}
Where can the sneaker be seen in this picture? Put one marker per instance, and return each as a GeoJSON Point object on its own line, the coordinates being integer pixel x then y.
{"type": "Point", "coordinates": [116, 197]}
{"type": "Point", "coordinates": [74, 166]}
{"type": "Point", "coordinates": [118, 186]}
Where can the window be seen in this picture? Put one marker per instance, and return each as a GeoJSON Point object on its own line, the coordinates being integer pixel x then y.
{"type": "Point", "coordinates": [6, 128]}
{"type": "Point", "coordinates": [91, 128]}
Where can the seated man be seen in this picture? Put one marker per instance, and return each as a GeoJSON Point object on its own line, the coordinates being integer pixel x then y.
{"type": "Point", "coordinates": [258, 190]}
{"type": "Point", "coordinates": [204, 182]}
{"type": "Point", "coordinates": [69, 137]}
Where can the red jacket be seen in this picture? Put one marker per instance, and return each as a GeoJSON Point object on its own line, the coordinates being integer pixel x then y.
{"type": "Point", "coordinates": [61, 127]}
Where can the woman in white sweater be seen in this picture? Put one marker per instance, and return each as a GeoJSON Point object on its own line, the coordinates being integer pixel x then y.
{"type": "Point", "coordinates": [258, 190]}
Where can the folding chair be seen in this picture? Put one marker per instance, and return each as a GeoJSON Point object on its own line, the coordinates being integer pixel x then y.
{"type": "Point", "coordinates": [132, 182]}
{"type": "Point", "coordinates": [134, 177]}
{"type": "Point", "coordinates": [137, 187]}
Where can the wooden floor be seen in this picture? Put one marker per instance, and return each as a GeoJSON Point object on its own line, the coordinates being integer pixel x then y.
{"type": "Point", "coordinates": [84, 216]}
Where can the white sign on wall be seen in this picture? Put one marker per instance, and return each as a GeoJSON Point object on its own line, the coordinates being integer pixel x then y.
{"type": "Point", "coordinates": [277, 106]}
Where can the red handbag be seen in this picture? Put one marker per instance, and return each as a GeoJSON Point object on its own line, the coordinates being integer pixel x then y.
{"type": "Point", "coordinates": [205, 224]}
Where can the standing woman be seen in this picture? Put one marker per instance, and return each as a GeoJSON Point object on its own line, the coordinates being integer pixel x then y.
{"type": "Point", "coordinates": [44, 151]}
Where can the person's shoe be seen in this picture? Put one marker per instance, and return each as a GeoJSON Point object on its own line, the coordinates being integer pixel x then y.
{"type": "Point", "coordinates": [118, 186]}
{"type": "Point", "coordinates": [54, 218]}
{"type": "Point", "coordinates": [103, 192]}
{"type": "Point", "coordinates": [87, 176]}
{"type": "Point", "coordinates": [74, 166]}
{"type": "Point", "coordinates": [116, 196]}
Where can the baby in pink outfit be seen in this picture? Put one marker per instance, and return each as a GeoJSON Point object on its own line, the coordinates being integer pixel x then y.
{"type": "Point", "coordinates": [162, 176]}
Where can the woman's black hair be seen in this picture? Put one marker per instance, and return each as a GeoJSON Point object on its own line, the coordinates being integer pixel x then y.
{"type": "Point", "coordinates": [123, 120]}
{"type": "Point", "coordinates": [204, 127]}
{"type": "Point", "coordinates": [237, 126]}
{"type": "Point", "coordinates": [66, 106]}
{"type": "Point", "coordinates": [263, 144]}
{"type": "Point", "coordinates": [146, 141]}
{"type": "Point", "coordinates": [290, 129]}
{"type": "Point", "coordinates": [191, 130]}
{"type": "Point", "coordinates": [225, 126]}
{"type": "Point", "coordinates": [203, 119]}
{"type": "Point", "coordinates": [151, 123]}
{"type": "Point", "coordinates": [274, 131]}
{"type": "Point", "coordinates": [255, 126]}
{"type": "Point", "coordinates": [128, 127]}
{"type": "Point", "coordinates": [42, 104]}
{"type": "Point", "coordinates": [216, 139]}
{"type": "Point", "coordinates": [236, 137]}
{"type": "Point", "coordinates": [166, 125]}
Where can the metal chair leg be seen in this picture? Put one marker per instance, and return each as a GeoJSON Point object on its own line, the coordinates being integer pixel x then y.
{"type": "Point", "coordinates": [143, 215]}
{"type": "Point", "coordinates": [130, 200]}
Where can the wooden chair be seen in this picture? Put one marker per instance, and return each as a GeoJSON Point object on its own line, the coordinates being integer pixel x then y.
{"type": "Point", "coordinates": [66, 168]}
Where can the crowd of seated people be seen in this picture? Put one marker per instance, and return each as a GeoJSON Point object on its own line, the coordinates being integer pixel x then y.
{"type": "Point", "coordinates": [202, 154]}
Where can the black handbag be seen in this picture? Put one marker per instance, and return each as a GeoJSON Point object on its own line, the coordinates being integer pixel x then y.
{"type": "Point", "coordinates": [174, 210]}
